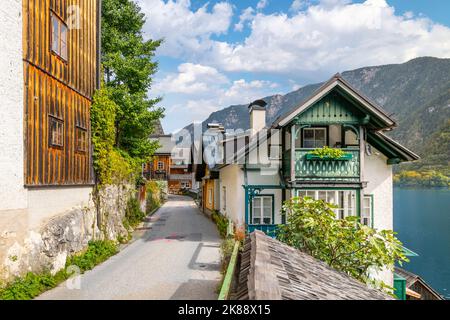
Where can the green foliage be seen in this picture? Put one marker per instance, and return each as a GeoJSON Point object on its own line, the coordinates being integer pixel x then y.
{"type": "Point", "coordinates": [133, 213]}
{"type": "Point", "coordinates": [422, 179]}
{"type": "Point", "coordinates": [33, 284]}
{"type": "Point", "coordinates": [112, 165]}
{"type": "Point", "coordinates": [154, 195]}
{"type": "Point", "coordinates": [222, 223]}
{"type": "Point", "coordinates": [28, 287]}
{"type": "Point", "coordinates": [128, 67]}
{"type": "Point", "coordinates": [103, 114]}
{"type": "Point", "coordinates": [96, 252]}
{"type": "Point", "coordinates": [344, 244]}
{"type": "Point", "coordinates": [226, 250]}
{"type": "Point", "coordinates": [327, 152]}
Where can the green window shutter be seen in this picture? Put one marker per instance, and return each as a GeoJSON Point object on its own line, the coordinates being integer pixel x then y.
{"type": "Point", "coordinates": [399, 287]}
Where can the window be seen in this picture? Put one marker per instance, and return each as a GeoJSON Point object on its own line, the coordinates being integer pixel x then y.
{"type": "Point", "coordinates": [344, 200]}
{"type": "Point", "coordinates": [210, 196]}
{"type": "Point", "coordinates": [262, 210]}
{"type": "Point", "coordinates": [185, 185]}
{"type": "Point", "coordinates": [56, 132]}
{"type": "Point", "coordinates": [366, 213]}
{"type": "Point", "coordinates": [314, 137]}
{"type": "Point", "coordinates": [59, 37]}
{"type": "Point", "coordinates": [160, 165]}
{"type": "Point", "coordinates": [82, 142]}
{"type": "Point", "coordinates": [224, 198]}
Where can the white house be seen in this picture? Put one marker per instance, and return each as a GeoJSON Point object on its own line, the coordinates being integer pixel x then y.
{"type": "Point", "coordinates": [268, 165]}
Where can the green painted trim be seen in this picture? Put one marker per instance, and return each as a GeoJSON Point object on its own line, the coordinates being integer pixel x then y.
{"type": "Point", "coordinates": [393, 161]}
{"type": "Point", "coordinates": [399, 287]}
{"type": "Point", "coordinates": [325, 188]}
{"type": "Point", "coordinates": [226, 285]}
{"type": "Point", "coordinates": [409, 253]}
{"type": "Point", "coordinates": [273, 208]}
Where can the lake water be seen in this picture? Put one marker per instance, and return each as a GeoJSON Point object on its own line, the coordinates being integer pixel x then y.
{"type": "Point", "coordinates": [422, 220]}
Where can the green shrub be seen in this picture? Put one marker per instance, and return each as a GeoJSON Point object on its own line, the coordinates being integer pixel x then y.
{"type": "Point", "coordinates": [154, 195]}
{"type": "Point", "coordinates": [133, 213]}
{"type": "Point", "coordinates": [28, 287]}
{"type": "Point", "coordinates": [97, 252]}
{"type": "Point", "coordinates": [222, 223]}
{"type": "Point", "coordinates": [33, 284]}
{"type": "Point", "coordinates": [344, 244]}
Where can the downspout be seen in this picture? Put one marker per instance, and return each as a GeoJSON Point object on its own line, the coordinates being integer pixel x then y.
{"type": "Point", "coordinates": [246, 195]}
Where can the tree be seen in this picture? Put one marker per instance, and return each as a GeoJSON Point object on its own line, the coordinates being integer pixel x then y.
{"type": "Point", "coordinates": [344, 244]}
{"type": "Point", "coordinates": [128, 70]}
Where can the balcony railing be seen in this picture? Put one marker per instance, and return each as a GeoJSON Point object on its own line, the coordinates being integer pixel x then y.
{"type": "Point", "coordinates": [312, 168]}
{"type": "Point", "coordinates": [269, 229]}
{"type": "Point", "coordinates": [187, 176]}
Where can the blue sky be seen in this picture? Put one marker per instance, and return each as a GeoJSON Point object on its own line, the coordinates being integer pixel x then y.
{"type": "Point", "coordinates": [218, 53]}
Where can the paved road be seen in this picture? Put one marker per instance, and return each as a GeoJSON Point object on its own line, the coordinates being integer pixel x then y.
{"type": "Point", "coordinates": [179, 258]}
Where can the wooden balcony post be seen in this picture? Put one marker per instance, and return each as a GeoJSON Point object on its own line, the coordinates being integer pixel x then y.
{"type": "Point", "coordinates": [293, 160]}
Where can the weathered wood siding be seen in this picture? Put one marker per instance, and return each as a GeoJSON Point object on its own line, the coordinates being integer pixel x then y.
{"type": "Point", "coordinates": [58, 88]}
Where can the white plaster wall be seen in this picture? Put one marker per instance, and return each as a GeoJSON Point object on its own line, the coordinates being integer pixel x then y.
{"type": "Point", "coordinates": [232, 177]}
{"type": "Point", "coordinates": [379, 183]}
{"type": "Point", "coordinates": [44, 203]}
{"type": "Point", "coordinates": [257, 120]}
{"type": "Point", "coordinates": [378, 175]}
{"type": "Point", "coordinates": [12, 192]}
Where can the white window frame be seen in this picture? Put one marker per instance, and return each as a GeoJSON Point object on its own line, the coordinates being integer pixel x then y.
{"type": "Point", "coordinates": [366, 212]}
{"type": "Point", "coordinates": [185, 185]}
{"type": "Point", "coordinates": [160, 165]}
{"type": "Point", "coordinates": [258, 211]}
{"type": "Point", "coordinates": [314, 139]}
{"type": "Point", "coordinates": [347, 207]}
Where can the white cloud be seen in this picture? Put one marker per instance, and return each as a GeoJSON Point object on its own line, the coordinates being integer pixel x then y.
{"type": "Point", "coordinates": [262, 4]}
{"type": "Point", "coordinates": [196, 91]}
{"type": "Point", "coordinates": [332, 36]}
{"type": "Point", "coordinates": [329, 36]}
{"type": "Point", "coordinates": [298, 5]}
{"type": "Point", "coordinates": [184, 31]}
{"type": "Point", "coordinates": [190, 79]}
{"type": "Point", "coordinates": [246, 15]}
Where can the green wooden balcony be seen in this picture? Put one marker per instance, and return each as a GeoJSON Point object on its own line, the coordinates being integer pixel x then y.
{"type": "Point", "coordinates": [313, 168]}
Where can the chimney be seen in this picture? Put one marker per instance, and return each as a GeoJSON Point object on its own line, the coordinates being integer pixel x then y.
{"type": "Point", "coordinates": [257, 111]}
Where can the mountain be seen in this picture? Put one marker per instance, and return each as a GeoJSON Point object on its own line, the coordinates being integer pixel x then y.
{"type": "Point", "coordinates": [416, 93]}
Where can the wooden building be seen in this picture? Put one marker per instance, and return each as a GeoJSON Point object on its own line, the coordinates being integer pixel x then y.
{"type": "Point", "coordinates": [60, 65]}
{"type": "Point", "coordinates": [164, 166]}
{"type": "Point", "coordinates": [415, 288]}
{"type": "Point", "coordinates": [49, 70]}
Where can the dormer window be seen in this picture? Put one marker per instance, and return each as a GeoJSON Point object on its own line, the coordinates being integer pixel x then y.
{"type": "Point", "coordinates": [314, 137]}
{"type": "Point", "coordinates": [59, 37]}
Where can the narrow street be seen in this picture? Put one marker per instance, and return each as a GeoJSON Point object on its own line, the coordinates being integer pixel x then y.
{"type": "Point", "coordinates": [177, 258]}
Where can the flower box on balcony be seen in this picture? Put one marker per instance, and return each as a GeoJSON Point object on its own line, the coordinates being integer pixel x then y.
{"type": "Point", "coordinates": [347, 156]}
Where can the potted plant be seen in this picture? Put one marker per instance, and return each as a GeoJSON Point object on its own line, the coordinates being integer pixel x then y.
{"type": "Point", "coordinates": [327, 153]}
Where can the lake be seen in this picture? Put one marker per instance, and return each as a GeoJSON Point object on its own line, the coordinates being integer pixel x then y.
{"type": "Point", "coordinates": [422, 220]}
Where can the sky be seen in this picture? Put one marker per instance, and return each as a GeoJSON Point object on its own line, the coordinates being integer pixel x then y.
{"type": "Point", "coordinates": [221, 52]}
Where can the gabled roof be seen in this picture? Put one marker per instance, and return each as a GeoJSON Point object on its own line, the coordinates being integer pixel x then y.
{"type": "Point", "coordinates": [412, 278]}
{"type": "Point", "coordinates": [272, 270]}
{"type": "Point", "coordinates": [390, 148]}
{"type": "Point", "coordinates": [337, 82]}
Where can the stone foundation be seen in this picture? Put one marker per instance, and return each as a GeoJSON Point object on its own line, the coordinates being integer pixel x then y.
{"type": "Point", "coordinates": [24, 247]}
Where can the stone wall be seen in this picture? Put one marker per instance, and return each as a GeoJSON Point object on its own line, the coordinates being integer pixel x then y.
{"type": "Point", "coordinates": [46, 247]}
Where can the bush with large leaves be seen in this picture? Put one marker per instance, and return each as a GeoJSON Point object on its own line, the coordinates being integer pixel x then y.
{"type": "Point", "coordinates": [344, 244]}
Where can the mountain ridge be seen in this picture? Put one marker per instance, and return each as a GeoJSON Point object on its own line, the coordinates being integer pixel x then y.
{"type": "Point", "coordinates": [416, 93]}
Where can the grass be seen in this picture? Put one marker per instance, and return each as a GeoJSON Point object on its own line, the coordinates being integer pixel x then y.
{"type": "Point", "coordinates": [33, 284]}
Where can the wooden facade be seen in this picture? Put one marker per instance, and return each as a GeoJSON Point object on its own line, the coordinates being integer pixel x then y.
{"type": "Point", "coordinates": [58, 90]}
